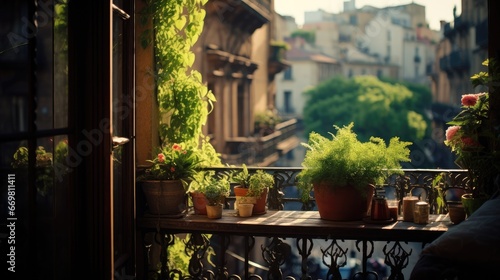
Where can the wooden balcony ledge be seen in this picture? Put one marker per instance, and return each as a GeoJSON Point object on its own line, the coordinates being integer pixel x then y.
{"type": "Point", "coordinates": [301, 224]}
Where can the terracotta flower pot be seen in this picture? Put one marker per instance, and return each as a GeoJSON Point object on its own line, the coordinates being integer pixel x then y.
{"type": "Point", "coordinates": [344, 203]}
{"type": "Point", "coordinates": [245, 209]}
{"type": "Point", "coordinates": [214, 211]}
{"type": "Point", "coordinates": [199, 203]}
{"type": "Point", "coordinates": [456, 212]}
{"type": "Point", "coordinates": [260, 202]}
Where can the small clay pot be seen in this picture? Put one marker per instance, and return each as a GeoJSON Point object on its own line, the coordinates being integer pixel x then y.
{"type": "Point", "coordinates": [214, 211]}
{"type": "Point", "coordinates": [456, 212]}
{"type": "Point", "coordinates": [245, 209]}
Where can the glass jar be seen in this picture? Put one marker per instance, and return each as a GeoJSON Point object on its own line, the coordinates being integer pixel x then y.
{"type": "Point", "coordinates": [380, 209]}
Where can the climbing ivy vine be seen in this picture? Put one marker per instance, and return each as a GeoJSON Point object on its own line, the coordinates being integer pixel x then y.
{"type": "Point", "coordinates": [184, 101]}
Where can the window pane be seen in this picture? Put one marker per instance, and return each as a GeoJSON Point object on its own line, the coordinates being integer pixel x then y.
{"type": "Point", "coordinates": [61, 64]}
{"type": "Point", "coordinates": [52, 68]}
{"type": "Point", "coordinates": [13, 69]}
{"type": "Point", "coordinates": [52, 185]}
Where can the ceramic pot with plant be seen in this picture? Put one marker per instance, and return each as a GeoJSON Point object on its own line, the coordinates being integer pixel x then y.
{"type": "Point", "coordinates": [449, 197]}
{"type": "Point", "coordinates": [216, 192]}
{"type": "Point", "coordinates": [343, 170]}
{"type": "Point", "coordinates": [252, 188]}
{"type": "Point", "coordinates": [166, 181]}
{"type": "Point", "coordinates": [242, 180]}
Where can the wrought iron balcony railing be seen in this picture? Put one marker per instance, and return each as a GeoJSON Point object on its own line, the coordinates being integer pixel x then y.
{"type": "Point", "coordinates": [288, 242]}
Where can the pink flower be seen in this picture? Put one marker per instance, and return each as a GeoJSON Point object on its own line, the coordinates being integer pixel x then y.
{"type": "Point", "coordinates": [161, 157]}
{"type": "Point", "coordinates": [451, 131]}
{"type": "Point", "coordinates": [172, 169]}
{"type": "Point", "coordinates": [176, 147]}
{"type": "Point", "coordinates": [469, 99]}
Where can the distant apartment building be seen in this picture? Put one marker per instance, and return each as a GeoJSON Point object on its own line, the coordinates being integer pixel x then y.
{"type": "Point", "coordinates": [234, 54]}
{"type": "Point", "coordinates": [460, 52]}
{"type": "Point", "coordinates": [309, 67]}
{"type": "Point", "coordinates": [399, 35]}
{"type": "Point", "coordinates": [459, 55]}
{"type": "Point", "coordinates": [392, 42]}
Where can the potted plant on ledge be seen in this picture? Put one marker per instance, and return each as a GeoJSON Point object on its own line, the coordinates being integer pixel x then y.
{"type": "Point", "coordinates": [342, 171]}
{"type": "Point", "coordinates": [471, 136]}
{"type": "Point", "coordinates": [166, 181]}
{"type": "Point", "coordinates": [216, 191]}
{"type": "Point", "coordinates": [252, 188]}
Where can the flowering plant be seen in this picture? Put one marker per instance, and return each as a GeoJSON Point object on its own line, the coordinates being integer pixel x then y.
{"type": "Point", "coordinates": [173, 162]}
{"type": "Point", "coordinates": [471, 137]}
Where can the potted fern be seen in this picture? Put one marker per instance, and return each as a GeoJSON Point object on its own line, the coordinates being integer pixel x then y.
{"type": "Point", "coordinates": [342, 171]}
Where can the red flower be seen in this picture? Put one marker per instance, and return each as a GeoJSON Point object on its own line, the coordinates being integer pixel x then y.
{"type": "Point", "coordinates": [177, 147]}
{"type": "Point", "coordinates": [173, 162]}
{"type": "Point", "coordinates": [161, 157]}
{"type": "Point", "coordinates": [469, 99]}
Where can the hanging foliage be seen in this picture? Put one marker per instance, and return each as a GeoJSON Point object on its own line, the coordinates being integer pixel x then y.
{"type": "Point", "coordinates": [184, 101]}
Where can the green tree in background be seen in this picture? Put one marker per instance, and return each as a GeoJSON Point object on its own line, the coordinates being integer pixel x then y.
{"type": "Point", "coordinates": [309, 36]}
{"type": "Point", "coordinates": [378, 108]}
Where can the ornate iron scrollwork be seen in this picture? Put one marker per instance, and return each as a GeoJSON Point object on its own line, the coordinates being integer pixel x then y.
{"type": "Point", "coordinates": [397, 259]}
{"type": "Point", "coordinates": [196, 246]}
{"type": "Point", "coordinates": [276, 194]}
{"type": "Point", "coordinates": [304, 252]}
{"type": "Point", "coordinates": [165, 240]}
{"type": "Point", "coordinates": [334, 257]}
{"type": "Point", "coordinates": [275, 255]}
{"type": "Point", "coordinates": [365, 274]}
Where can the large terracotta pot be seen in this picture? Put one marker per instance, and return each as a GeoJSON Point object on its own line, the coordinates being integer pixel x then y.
{"type": "Point", "coordinates": [343, 203]}
{"type": "Point", "coordinates": [199, 203]}
{"type": "Point", "coordinates": [165, 197]}
{"type": "Point", "coordinates": [260, 202]}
